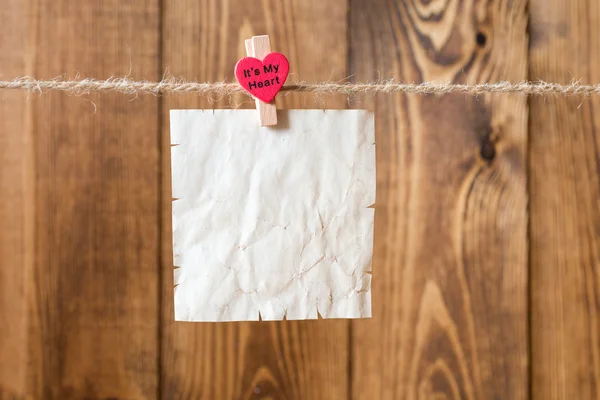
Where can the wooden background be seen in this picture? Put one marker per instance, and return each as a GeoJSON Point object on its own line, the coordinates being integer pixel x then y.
{"type": "Point", "coordinates": [486, 269]}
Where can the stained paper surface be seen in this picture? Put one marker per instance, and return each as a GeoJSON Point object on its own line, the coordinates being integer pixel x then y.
{"type": "Point", "coordinates": [275, 222]}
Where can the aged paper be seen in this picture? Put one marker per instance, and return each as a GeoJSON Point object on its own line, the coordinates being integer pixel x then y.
{"type": "Point", "coordinates": [272, 223]}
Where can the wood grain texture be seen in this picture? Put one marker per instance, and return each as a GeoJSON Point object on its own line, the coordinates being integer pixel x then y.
{"type": "Point", "coordinates": [450, 266]}
{"type": "Point", "coordinates": [203, 40]}
{"type": "Point", "coordinates": [82, 178]}
{"type": "Point", "coordinates": [564, 184]}
{"type": "Point", "coordinates": [15, 232]}
{"type": "Point", "coordinates": [93, 307]}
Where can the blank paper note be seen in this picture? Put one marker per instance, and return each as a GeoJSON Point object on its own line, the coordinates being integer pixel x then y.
{"type": "Point", "coordinates": [272, 222]}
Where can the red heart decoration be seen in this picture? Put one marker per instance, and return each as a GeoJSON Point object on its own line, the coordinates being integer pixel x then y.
{"type": "Point", "coordinates": [263, 79]}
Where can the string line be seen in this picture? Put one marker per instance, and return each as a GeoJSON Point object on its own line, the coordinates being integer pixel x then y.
{"type": "Point", "coordinates": [173, 86]}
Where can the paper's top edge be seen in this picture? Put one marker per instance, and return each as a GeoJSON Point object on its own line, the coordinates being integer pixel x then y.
{"type": "Point", "coordinates": [279, 109]}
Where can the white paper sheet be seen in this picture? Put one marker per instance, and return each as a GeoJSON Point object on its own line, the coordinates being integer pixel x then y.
{"type": "Point", "coordinates": [276, 222]}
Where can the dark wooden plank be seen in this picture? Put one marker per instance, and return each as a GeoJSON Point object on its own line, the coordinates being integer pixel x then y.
{"type": "Point", "coordinates": [15, 232]}
{"type": "Point", "coordinates": [94, 305]}
{"type": "Point", "coordinates": [450, 266]}
{"type": "Point", "coordinates": [302, 359]}
{"type": "Point", "coordinates": [565, 203]}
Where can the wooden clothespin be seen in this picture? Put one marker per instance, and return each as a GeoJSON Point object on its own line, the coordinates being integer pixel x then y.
{"type": "Point", "coordinates": [258, 47]}
{"type": "Point", "coordinates": [262, 73]}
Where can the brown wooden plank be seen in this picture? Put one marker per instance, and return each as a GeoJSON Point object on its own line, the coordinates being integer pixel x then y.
{"type": "Point", "coordinates": [450, 266]}
{"type": "Point", "coordinates": [301, 359]}
{"type": "Point", "coordinates": [565, 203]}
{"type": "Point", "coordinates": [15, 232]}
{"type": "Point", "coordinates": [94, 307]}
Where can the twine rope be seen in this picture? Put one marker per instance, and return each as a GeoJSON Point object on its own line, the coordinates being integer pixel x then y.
{"type": "Point", "coordinates": [173, 86]}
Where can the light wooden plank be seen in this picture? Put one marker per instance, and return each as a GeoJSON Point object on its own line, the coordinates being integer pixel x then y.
{"type": "Point", "coordinates": [15, 202]}
{"type": "Point", "coordinates": [299, 359]}
{"type": "Point", "coordinates": [94, 307]}
{"type": "Point", "coordinates": [450, 265]}
{"type": "Point", "coordinates": [565, 203]}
